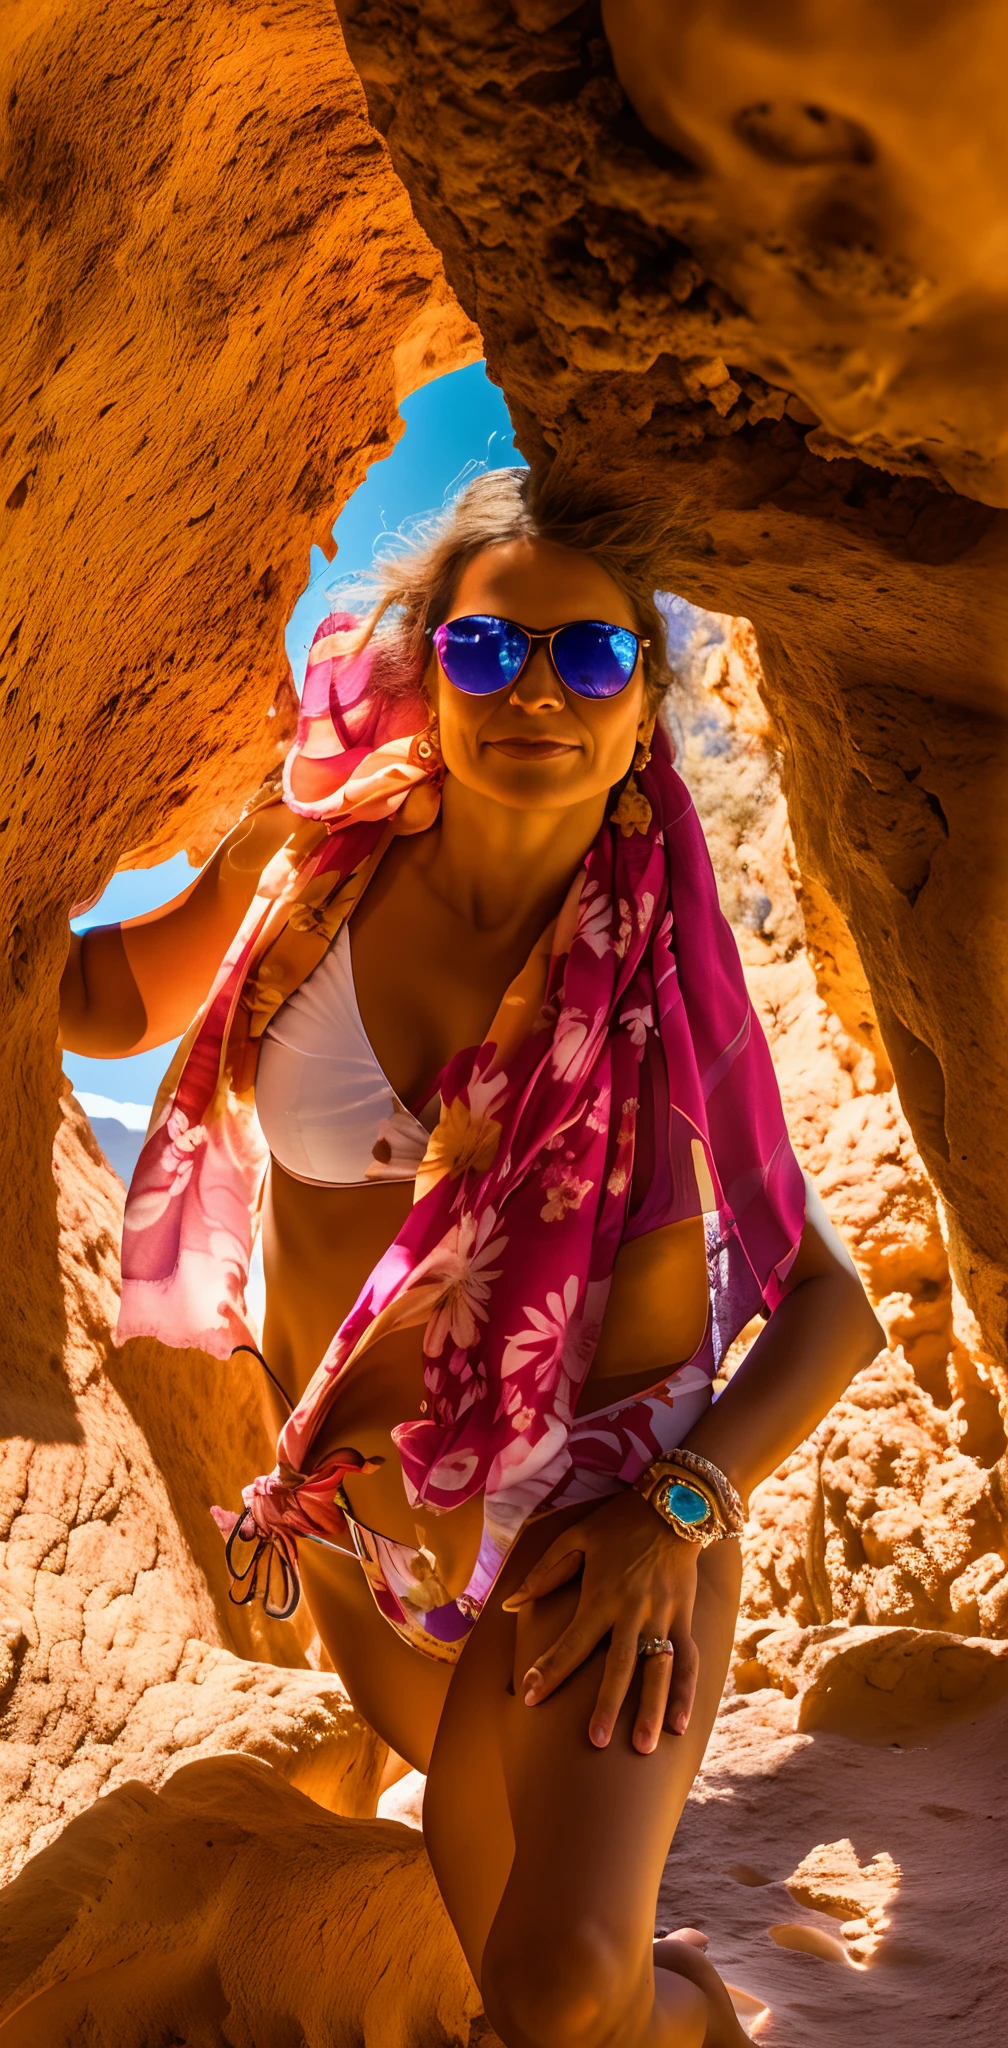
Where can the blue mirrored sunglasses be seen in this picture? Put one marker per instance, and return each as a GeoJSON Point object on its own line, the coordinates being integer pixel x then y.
{"type": "Point", "coordinates": [482, 654]}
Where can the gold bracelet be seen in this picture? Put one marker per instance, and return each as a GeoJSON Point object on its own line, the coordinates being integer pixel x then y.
{"type": "Point", "coordinates": [693, 1496]}
{"type": "Point", "coordinates": [729, 1500]}
{"type": "Point", "coordinates": [688, 1508]}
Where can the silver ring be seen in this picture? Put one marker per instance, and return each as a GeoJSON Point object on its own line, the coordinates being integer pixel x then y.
{"type": "Point", "coordinates": [654, 1646]}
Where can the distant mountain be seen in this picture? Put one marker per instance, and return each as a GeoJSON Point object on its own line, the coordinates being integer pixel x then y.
{"type": "Point", "coordinates": [120, 1146]}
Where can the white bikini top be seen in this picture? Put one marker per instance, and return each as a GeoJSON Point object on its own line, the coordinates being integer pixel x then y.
{"type": "Point", "coordinates": [327, 1111]}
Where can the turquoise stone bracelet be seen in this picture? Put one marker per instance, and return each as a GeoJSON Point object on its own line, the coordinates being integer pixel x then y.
{"type": "Point", "coordinates": [701, 1509]}
{"type": "Point", "coordinates": [687, 1503]}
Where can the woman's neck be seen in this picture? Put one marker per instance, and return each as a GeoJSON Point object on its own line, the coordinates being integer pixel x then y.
{"type": "Point", "coordinates": [501, 868]}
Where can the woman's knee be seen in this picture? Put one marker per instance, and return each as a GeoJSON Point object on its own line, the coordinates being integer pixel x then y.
{"type": "Point", "coordinates": [558, 1989]}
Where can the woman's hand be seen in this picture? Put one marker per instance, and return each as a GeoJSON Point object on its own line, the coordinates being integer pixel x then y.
{"type": "Point", "coordinates": [639, 1579]}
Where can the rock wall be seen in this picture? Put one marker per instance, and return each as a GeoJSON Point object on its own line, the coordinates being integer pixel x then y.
{"type": "Point", "coordinates": [213, 295]}
{"type": "Point", "coordinates": [896, 1511]}
{"type": "Point", "coordinates": [289, 1925]}
{"type": "Point", "coordinates": [750, 266]}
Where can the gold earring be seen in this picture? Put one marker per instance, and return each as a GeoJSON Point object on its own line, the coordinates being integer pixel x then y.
{"type": "Point", "coordinates": [642, 751]}
{"type": "Point", "coordinates": [428, 746]}
{"type": "Point", "coordinates": [633, 812]}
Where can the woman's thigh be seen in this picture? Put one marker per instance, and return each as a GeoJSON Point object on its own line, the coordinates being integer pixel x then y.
{"type": "Point", "coordinates": [538, 1838]}
{"type": "Point", "coordinates": [400, 1692]}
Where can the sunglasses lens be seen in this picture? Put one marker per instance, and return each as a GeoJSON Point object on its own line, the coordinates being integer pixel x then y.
{"type": "Point", "coordinates": [481, 654]}
{"type": "Point", "coordinates": [595, 660]}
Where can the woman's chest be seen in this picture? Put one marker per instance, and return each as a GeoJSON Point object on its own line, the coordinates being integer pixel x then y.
{"type": "Point", "coordinates": [427, 981]}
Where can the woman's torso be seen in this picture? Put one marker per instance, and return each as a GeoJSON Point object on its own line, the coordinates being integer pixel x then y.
{"type": "Point", "coordinates": [428, 983]}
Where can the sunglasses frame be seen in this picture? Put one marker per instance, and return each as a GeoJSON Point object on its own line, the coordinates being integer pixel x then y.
{"type": "Point", "coordinates": [549, 635]}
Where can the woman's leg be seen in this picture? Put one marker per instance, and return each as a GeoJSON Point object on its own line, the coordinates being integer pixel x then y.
{"type": "Point", "coordinates": [397, 1690]}
{"type": "Point", "coordinates": [549, 1852]}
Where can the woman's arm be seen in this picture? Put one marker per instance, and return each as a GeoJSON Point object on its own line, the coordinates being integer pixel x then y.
{"type": "Point", "coordinates": [129, 986]}
{"type": "Point", "coordinates": [638, 1576]}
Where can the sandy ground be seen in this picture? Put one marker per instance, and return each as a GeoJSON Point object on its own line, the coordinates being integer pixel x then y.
{"type": "Point", "coordinates": [838, 1881]}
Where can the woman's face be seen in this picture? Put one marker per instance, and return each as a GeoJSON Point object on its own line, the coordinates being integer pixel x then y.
{"type": "Point", "coordinates": [535, 744]}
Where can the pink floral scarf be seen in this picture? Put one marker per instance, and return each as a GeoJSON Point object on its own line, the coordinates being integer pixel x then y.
{"type": "Point", "coordinates": [628, 1035]}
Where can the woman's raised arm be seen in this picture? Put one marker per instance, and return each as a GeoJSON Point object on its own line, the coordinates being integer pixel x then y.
{"type": "Point", "coordinates": [129, 986]}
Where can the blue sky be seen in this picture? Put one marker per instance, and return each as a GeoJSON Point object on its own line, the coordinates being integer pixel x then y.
{"type": "Point", "coordinates": [453, 426]}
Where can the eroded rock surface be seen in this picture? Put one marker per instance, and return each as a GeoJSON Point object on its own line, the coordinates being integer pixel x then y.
{"type": "Point", "coordinates": [844, 1886]}
{"type": "Point", "coordinates": [122, 1656]}
{"type": "Point", "coordinates": [896, 1510]}
{"type": "Point", "coordinates": [854, 266]}
{"type": "Point", "coordinates": [876, 1684]}
{"type": "Point", "coordinates": [288, 1925]}
{"type": "Point", "coordinates": [214, 293]}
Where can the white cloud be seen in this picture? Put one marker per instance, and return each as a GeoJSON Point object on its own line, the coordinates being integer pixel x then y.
{"type": "Point", "coordinates": [134, 1115]}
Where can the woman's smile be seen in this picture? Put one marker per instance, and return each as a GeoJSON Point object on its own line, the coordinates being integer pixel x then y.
{"type": "Point", "coordinates": [530, 749]}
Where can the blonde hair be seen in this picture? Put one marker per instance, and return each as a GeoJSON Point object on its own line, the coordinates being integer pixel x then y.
{"type": "Point", "coordinates": [410, 586]}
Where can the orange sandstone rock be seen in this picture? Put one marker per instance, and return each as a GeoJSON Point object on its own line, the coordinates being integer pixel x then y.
{"type": "Point", "coordinates": [874, 1683]}
{"type": "Point", "coordinates": [120, 1655]}
{"type": "Point", "coordinates": [851, 264]}
{"type": "Point", "coordinates": [831, 1879]}
{"type": "Point", "coordinates": [214, 294]}
{"type": "Point", "coordinates": [228, 1908]}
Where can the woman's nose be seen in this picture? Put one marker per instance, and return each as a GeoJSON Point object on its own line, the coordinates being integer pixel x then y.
{"type": "Point", "coordinates": [538, 688]}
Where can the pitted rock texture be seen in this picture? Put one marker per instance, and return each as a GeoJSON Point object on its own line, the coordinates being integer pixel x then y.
{"type": "Point", "coordinates": [881, 1517]}
{"type": "Point", "coordinates": [214, 294]}
{"type": "Point", "coordinates": [856, 267]}
{"type": "Point", "coordinates": [120, 1654]}
{"type": "Point", "coordinates": [717, 285]}
{"type": "Point", "coordinates": [896, 1510]}
{"type": "Point", "coordinates": [227, 1909]}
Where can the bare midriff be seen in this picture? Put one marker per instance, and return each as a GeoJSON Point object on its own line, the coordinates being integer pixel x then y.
{"type": "Point", "coordinates": [320, 1244]}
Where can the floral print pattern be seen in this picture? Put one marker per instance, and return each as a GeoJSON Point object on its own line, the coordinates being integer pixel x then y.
{"type": "Point", "coordinates": [461, 1264]}
{"type": "Point", "coordinates": [466, 1138]}
{"type": "Point", "coordinates": [563, 1191]}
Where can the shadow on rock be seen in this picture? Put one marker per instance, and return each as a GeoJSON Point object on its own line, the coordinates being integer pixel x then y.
{"type": "Point", "coordinates": [227, 1911]}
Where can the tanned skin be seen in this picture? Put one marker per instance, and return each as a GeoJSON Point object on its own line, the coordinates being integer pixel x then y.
{"type": "Point", "coordinates": [557, 1762]}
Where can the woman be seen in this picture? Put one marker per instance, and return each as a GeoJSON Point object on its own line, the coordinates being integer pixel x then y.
{"type": "Point", "coordinates": [524, 1155]}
